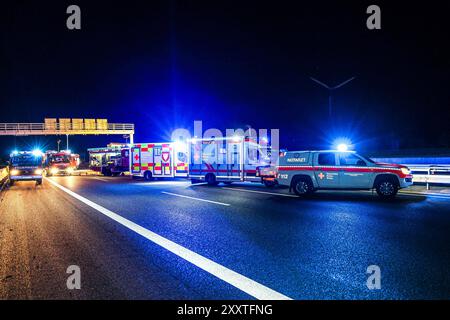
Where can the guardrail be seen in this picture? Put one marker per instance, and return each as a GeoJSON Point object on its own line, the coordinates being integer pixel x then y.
{"type": "Point", "coordinates": [4, 174]}
{"type": "Point", "coordinates": [438, 174]}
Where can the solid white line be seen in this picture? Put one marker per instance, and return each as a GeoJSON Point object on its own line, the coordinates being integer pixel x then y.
{"type": "Point", "coordinates": [198, 199]}
{"type": "Point", "coordinates": [233, 278]}
{"type": "Point", "coordinates": [262, 192]}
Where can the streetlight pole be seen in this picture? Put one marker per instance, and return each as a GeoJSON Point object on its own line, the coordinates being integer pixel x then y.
{"type": "Point", "coordinates": [58, 142]}
{"type": "Point", "coordinates": [330, 90]}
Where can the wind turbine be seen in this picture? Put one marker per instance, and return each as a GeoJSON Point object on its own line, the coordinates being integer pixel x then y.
{"type": "Point", "coordinates": [330, 90]}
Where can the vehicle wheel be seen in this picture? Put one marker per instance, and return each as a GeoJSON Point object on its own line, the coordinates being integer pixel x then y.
{"type": "Point", "coordinates": [148, 176]}
{"type": "Point", "coordinates": [11, 183]}
{"type": "Point", "coordinates": [302, 187]}
{"type": "Point", "coordinates": [39, 182]}
{"type": "Point", "coordinates": [211, 179]}
{"type": "Point", "coordinates": [387, 189]}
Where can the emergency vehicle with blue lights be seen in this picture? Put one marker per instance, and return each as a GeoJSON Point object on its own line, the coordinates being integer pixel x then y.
{"type": "Point", "coordinates": [26, 166]}
{"type": "Point", "coordinates": [307, 171]}
{"type": "Point", "coordinates": [159, 160]}
{"type": "Point", "coordinates": [61, 162]}
{"type": "Point", "coordinates": [227, 160]}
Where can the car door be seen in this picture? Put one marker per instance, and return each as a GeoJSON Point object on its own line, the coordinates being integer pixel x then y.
{"type": "Point", "coordinates": [354, 171]}
{"type": "Point", "coordinates": [326, 171]}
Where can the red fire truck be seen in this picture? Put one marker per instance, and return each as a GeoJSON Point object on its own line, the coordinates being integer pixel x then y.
{"type": "Point", "coordinates": [61, 163]}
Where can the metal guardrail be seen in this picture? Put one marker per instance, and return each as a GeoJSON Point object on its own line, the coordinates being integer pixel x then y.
{"type": "Point", "coordinates": [4, 174]}
{"type": "Point", "coordinates": [66, 128]}
{"type": "Point", "coordinates": [438, 174]}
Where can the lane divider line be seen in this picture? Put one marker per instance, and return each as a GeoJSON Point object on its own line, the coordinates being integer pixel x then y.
{"type": "Point", "coordinates": [262, 192]}
{"type": "Point", "coordinates": [237, 280]}
{"type": "Point", "coordinates": [198, 199]}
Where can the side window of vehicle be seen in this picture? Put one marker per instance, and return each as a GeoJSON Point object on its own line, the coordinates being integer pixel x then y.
{"type": "Point", "coordinates": [349, 159]}
{"type": "Point", "coordinates": [327, 159]}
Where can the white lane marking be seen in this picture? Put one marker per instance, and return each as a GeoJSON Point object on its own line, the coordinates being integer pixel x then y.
{"type": "Point", "coordinates": [263, 192]}
{"type": "Point", "coordinates": [192, 198]}
{"type": "Point", "coordinates": [102, 179]}
{"type": "Point", "coordinates": [247, 285]}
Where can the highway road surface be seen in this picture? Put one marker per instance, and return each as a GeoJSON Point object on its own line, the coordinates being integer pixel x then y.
{"type": "Point", "coordinates": [172, 240]}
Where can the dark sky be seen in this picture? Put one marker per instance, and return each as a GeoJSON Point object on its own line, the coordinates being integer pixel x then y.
{"type": "Point", "coordinates": [164, 64]}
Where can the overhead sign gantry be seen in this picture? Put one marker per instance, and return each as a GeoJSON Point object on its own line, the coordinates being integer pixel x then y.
{"type": "Point", "coordinates": [67, 127]}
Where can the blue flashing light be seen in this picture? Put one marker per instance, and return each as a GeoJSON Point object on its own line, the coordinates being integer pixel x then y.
{"type": "Point", "coordinates": [37, 153]}
{"type": "Point", "coordinates": [342, 147]}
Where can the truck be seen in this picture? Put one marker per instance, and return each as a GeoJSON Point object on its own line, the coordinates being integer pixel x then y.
{"type": "Point", "coordinates": [113, 160]}
{"type": "Point", "coordinates": [61, 162]}
{"type": "Point", "coordinates": [26, 166]}
{"type": "Point", "coordinates": [307, 171]}
{"type": "Point", "coordinates": [228, 160]}
{"type": "Point", "coordinates": [159, 160]}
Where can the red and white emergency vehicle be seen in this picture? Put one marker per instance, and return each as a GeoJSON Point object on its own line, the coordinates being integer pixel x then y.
{"type": "Point", "coordinates": [159, 160]}
{"type": "Point", "coordinates": [227, 160]}
{"type": "Point", "coordinates": [61, 163]}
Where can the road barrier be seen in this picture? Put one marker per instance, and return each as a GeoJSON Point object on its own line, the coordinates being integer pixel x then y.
{"type": "Point", "coordinates": [436, 174]}
{"type": "Point", "coordinates": [4, 174]}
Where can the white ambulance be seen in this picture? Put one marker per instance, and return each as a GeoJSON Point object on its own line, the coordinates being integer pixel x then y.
{"type": "Point", "coordinates": [227, 160]}
{"type": "Point", "coordinates": [159, 160]}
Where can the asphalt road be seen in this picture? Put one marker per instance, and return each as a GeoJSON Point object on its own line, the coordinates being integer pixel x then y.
{"type": "Point", "coordinates": [172, 240]}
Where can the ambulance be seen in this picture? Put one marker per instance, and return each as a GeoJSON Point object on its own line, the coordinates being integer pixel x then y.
{"type": "Point", "coordinates": [227, 160]}
{"type": "Point", "coordinates": [159, 160]}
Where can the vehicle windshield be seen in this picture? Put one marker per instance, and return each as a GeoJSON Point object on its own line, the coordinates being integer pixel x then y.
{"type": "Point", "coordinates": [60, 159]}
{"type": "Point", "coordinates": [26, 161]}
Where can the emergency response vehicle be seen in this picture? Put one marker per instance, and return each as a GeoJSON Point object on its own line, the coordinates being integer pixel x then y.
{"type": "Point", "coordinates": [26, 166]}
{"type": "Point", "coordinates": [61, 163]}
{"type": "Point", "coordinates": [159, 160]}
{"type": "Point", "coordinates": [227, 160]}
{"type": "Point", "coordinates": [112, 160]}
{"type": "Point", "coordinates": [307, 171]}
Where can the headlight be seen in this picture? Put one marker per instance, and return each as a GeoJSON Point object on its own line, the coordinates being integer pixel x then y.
{"type": "Point", "coordinates": [38, 171]}
{"type": "Point", "coordinates": [406, 171]}
{"type": "Point", "coordinates": [54, 170]}
{"type": "Point", "coordinates": [14, 172]}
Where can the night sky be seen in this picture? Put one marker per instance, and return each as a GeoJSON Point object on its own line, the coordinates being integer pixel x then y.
{"type": "Point", "coordinates": [164, 64]}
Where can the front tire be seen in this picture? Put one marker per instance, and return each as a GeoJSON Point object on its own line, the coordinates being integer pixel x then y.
{"type": "Point", "coordinates": [387, 189]}
{"type": "Point", "coordinates": [148, 176]}
{"type": "Point", "coordinates": [38, 182]}
{"type": "Point", "coordinates": [303, 187]}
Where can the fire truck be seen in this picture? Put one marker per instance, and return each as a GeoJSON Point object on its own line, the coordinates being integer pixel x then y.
{"type": "Point", "coordinates": [26, 166]}
{"type": "Point", "coordinates": [159, 160]}
{"type": "Point", "coordinates": [111, 160]}
{"type": "Point", "coordinates": [228, 160]}
{"type": "Point", "coordinates": [61, 163]}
